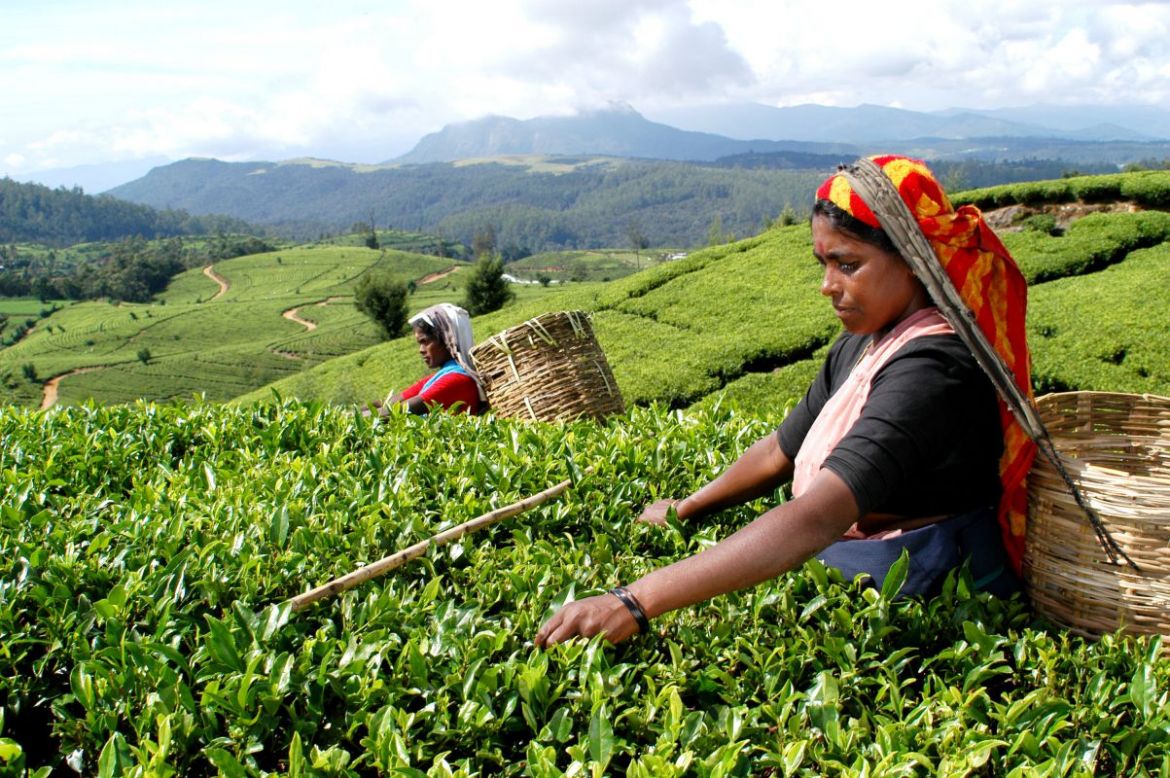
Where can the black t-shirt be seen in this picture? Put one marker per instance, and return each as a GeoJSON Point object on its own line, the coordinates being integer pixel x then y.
{"type": "Point", "coordinates": [928, 440]}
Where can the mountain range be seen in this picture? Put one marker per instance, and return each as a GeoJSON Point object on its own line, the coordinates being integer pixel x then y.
{"type": "Point", "coordinates": [873, 123]}
{"type": "Point", "coordinates": [580, 181]}
{"type": "Point", "coordinates": [705, 133]}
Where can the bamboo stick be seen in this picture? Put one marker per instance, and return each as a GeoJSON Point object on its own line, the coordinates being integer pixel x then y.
{"type": "Point", "coordinates": [399, 558]}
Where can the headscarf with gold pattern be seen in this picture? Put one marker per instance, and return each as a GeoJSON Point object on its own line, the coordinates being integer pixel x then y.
{"type": "Point", "coordinates": [991, 285]}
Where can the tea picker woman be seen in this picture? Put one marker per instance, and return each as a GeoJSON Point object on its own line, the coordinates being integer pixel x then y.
{"type": "Point", "coordinates": [443, 334]}
{"type": "Point", "coordinates": [900, 442]}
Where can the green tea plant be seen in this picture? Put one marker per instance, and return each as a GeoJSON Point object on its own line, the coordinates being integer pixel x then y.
{"type": "Point", "coordinates": [149, 551]}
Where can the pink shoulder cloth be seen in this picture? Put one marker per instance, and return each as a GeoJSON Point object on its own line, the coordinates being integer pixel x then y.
{"type": "Point", "coordinates": [844, 408]}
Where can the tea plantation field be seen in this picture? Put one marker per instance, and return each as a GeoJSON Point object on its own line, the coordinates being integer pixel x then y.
{"type": "Point", "coordinates": [196, 340]}
{"type": "Point", "coordinates": [743, 323]}
{"type": "Point", "coordinates": [150, 548]}
{"type": "Point", "coordinates": [149, 551]}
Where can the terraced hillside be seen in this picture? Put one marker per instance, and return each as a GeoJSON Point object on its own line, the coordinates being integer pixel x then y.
{"type": "Point", "coordinates": [217, 331]}
{"type": "Point", "coordinates": [742, 322]}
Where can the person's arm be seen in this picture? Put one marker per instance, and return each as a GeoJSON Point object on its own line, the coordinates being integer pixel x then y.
{"type": "Point", "coordinates": [410, 396]}
{"type": "Point", "coordinates": [453, 391]}
{"type": "Point", "coordinates": [759, 471]}
{"type": "Point", "coordinates": [776, 542]}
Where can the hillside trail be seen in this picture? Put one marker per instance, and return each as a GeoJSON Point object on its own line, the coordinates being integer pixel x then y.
{"type": "Point", "coordinates": [1012, 218]}
{"type": "Point", "coordinates": [294, 314]}
{"type": "Point", "coordinates": [224, 284]}
{"type": "Point", "coordinates": [49, 398]}
{"type": "Point", "coordinates": [433, 277]}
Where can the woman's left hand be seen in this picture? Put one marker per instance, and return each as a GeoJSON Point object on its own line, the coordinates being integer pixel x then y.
{"type": "Point", "coordinates": [603, 614]}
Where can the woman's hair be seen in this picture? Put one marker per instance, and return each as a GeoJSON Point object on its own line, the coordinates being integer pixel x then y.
{"type": "Point", "coordinates": [840, 219]}
{"type": "Point", "coordinates": [425, 328]}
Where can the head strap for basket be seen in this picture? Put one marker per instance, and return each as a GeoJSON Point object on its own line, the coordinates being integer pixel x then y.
{"type": "Point", "coordinates": [883, 198]}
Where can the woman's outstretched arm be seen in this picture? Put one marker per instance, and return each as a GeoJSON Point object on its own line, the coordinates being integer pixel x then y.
{"type": "Point", "coordinates": [776, 542]}
{"type": "Point", "coordinates": [759, 471]}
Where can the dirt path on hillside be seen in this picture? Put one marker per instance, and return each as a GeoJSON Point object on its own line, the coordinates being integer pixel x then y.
{"type": "Point", "coordinates": [1011, 218]}
{"type": "Point", "coordinates": [433, 277]}
{"type": "Point", "coordinates": [294, 314]}
{"type": "Point", "coordinates": [53, 384]}
{"type": "Point", "coordinates": [224, 284]}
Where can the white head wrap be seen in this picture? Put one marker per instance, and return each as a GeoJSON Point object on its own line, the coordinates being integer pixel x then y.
{"type": "Point", "coordinates": [452, 325]}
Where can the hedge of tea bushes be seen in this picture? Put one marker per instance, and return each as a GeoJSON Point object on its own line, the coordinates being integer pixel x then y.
{"type": "Point", "coordinates": [1147, 188]}
{"type": "Point", "coordinates": [1109, 331]}
{"type": "Point", "coordinates": [149, 551]}
{"type": "Point", "coordinates": [1089, 244]}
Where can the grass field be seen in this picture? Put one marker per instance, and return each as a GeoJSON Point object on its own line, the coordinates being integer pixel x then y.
{"type": "Point", "coordinates": [24, 306]}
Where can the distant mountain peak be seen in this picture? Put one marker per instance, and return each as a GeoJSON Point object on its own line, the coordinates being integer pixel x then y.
{"type": "Point", "coordinates": [613, 106]}
{"type": "Point", "coordinates": [615, 130]}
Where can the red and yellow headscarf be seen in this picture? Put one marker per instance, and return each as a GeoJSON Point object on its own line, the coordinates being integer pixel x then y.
{"type": "Point", "coordinates": [990, 284]}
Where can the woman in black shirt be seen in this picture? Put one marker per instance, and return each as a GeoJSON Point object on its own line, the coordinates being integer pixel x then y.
{"type": "Point", "coordinates": [898, 444]}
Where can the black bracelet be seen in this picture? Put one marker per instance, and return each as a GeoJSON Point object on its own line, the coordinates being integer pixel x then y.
{"type": "Point", "coordinates": [633, 606]}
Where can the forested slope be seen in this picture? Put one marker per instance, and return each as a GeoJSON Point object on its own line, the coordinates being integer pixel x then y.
{"type": "Point", "coordinates": [37, 214]}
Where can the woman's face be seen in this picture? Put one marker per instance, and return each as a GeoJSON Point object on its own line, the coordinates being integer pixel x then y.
{"type": "Point", "coordinates": [432, 350]}
{"type": "Point", "coordinates": [871, 289]}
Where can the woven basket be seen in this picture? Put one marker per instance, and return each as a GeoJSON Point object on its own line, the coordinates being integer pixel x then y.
{"type": "Point", "coordinates": [1116, 448]}
{"type": "Point", "coordinates": [549, 368]}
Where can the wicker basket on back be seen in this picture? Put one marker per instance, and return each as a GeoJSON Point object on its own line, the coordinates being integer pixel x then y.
{"type": "Point", "coordinates": [549, 368]}
{"type": "Point", "coordinates": [1116, 447]}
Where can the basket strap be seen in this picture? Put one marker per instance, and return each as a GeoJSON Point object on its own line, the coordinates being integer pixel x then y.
{"type": "Point", "coordinates": [883, 198]}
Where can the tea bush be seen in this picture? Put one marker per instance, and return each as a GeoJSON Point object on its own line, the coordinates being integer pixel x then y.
{"type": "Point", "coordinates": [1147, 188]}
{"type": "Point", "coordinates": [150, 549]}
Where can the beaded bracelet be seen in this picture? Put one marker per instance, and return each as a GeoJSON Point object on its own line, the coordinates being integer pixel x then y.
{"type": "Point", "coordinates": [633, 606]}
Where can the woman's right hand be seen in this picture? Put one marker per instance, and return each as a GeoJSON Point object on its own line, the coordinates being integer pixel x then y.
{"type": "Point", "coordinates": [655, 512]}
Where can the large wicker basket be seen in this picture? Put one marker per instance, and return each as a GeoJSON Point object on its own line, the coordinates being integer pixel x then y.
{"type": "Point", "coordinates": [549, 368]}
{"type": "Point", "coordinates": [1116, 448]}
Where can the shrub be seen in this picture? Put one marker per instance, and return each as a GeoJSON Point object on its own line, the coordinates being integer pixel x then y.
{"type": "Point", "coordinates": [1042, 222]}
{"type": "Point", "coordinates": [383, 299]}
{"type": "Point", "coordinates": [487, 289]}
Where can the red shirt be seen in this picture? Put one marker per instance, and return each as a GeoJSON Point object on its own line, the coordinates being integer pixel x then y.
{"type": "Point", "coordinates": [449, 390]}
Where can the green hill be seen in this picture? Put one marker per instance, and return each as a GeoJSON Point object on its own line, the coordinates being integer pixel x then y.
{"type": "Point", "coordinates": [280, 312]}
{"type": "Point", "coordinates": [36, 213]}
{"type": "Point", "coordinates": [740, 322]}
{"type": "Point", "coordinates": [743, 322]}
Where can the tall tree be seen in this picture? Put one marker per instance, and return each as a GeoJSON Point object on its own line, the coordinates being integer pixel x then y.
{"type": "Point", "coordinates": [637, 240]}
{"type": "Point", "coordinates": [487, 289]}
{"type": "Point", "coordinates": [383, 299]}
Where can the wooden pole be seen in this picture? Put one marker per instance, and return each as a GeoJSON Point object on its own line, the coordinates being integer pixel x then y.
{"type": "Point", "coordinates": [399, 558]}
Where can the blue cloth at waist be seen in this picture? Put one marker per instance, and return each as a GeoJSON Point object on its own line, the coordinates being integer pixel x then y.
{"type": "Point", "coordinates": [934, 550]}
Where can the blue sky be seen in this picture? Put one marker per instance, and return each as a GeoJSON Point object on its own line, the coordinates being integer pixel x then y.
{"type": "Point", "coordinates": [94, 83]}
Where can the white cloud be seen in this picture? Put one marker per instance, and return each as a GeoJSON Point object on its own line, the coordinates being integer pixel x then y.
{"type": "Point", "coordinates": [266, 78]}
